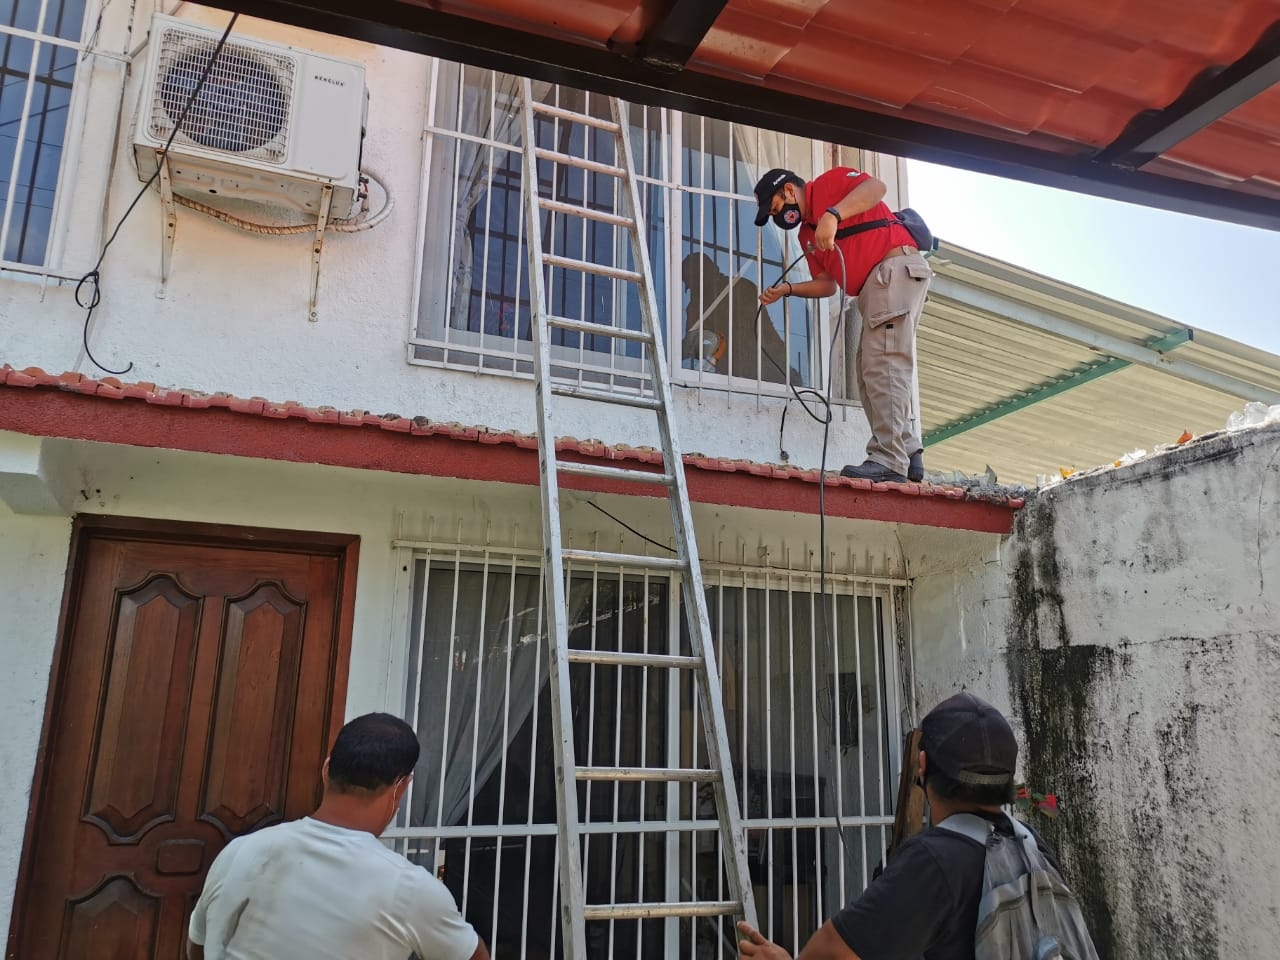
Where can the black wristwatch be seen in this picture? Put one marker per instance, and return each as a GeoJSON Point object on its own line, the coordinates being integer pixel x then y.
{"type": "Point", "coordinates": [835, 213]}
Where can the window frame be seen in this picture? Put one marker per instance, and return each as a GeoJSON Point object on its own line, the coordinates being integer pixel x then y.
{"type": "Point", "coordinates": [518, 363]}
{"type": "Point", "coordinates": [52, 265]}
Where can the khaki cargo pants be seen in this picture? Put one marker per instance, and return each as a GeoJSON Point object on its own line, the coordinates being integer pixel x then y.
{"type": "Point", "coordinates": [890, 304]}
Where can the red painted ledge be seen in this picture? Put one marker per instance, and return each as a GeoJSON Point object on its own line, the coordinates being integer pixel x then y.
{"type": "Point", "coordinates": [108, 411]}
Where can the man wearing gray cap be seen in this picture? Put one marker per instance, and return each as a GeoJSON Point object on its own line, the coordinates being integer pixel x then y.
{"type": "Point", "coordinates": [925, 904]}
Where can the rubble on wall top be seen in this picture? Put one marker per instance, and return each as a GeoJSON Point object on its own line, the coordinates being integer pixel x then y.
{"type": "Point", "coordinates": [1252, 417]}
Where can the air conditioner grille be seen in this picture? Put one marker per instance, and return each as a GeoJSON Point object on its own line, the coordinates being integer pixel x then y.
{"type": "Point", "coordinates": [244, 106]}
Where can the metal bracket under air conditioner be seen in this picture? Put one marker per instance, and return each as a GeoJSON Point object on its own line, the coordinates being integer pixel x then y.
{"type": "Point", "coordinates": [169, 211]}
{"type": "Point", "coordinates": [322, 223]}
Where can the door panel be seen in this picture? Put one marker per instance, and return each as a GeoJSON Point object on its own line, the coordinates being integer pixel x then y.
{"type": "Point", "coordinates": [134, 773]}
{"type": "Point", "coordinates": [257, 687]}
{"type": "Point", "coordinates": [115, 920]}
{"type": "Point", "coordinates": [195, 693]}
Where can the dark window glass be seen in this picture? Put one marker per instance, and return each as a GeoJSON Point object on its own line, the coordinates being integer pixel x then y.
{"type": "Point", "coordinates": [28, 197]}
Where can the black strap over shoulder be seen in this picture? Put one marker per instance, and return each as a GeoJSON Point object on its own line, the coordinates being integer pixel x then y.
{"type": "Point", "coordinates": [864, 227]}
{"type": "Point", "coordinates": [907, 218]}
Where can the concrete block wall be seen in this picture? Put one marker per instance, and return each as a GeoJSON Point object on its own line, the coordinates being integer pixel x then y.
{"type": "Point", "coordinates": [1131, 627]}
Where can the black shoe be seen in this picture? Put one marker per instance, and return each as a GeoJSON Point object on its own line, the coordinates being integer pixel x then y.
{"type": "Point", "coordinates": [915, 469]}
{"type": "Point", "coordinates": [875, 472]}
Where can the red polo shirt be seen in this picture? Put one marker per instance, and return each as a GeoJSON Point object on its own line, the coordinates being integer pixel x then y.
{"type": "Point", "coordinates": [863, 250]}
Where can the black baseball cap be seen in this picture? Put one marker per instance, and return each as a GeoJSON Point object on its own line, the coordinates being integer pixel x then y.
{"type": "Point", "coordinates": [768, 185]}
{"type": "Point", "coordinates": [970, 741]}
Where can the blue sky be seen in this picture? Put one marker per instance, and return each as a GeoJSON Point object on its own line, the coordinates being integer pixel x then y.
{"type": "Point", "coordinates": [1215, 276]}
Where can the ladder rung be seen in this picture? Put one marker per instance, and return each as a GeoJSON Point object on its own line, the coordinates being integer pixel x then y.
{"type": "Point", "coordinates": [654, 774]}
{"type": "Point", "coordinates": [648, 911]}
{"type": "Point", "coordinates": [622, 559]}
{"type": "Point", "coordinates": [615, 658]}
{"type": "Point", "coordinates": [602, 396]}
{"type": "Point", "coordinates": [613, 473]}
{"type": "Point", "coordinates": [578, 210]}
{"type": "Point", "coordinates": [582, 163]}
{"type": "Point", "coordinates": [586, 266]}
{"type": "Point", "coordinates": [624, 215]}
{"type": "Point", "coordinates": [575, 117]}
{"type": "Point", "coordinates": [600, 329]}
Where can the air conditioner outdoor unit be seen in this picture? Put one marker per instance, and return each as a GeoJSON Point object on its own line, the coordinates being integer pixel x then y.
{"type": "Point", "coordinates": [272, 124]}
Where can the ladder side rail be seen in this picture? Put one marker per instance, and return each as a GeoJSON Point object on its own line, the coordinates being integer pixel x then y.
{"type": "Point", "coordinates": [733, 834]}
{"type": "Point", "coordinates": [571, 883]}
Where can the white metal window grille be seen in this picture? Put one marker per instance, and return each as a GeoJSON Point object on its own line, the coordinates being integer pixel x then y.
{"type": "Point", "coordinates": [812, 734]}
{"type": "Point", "coordinates": [813, 727]}
{"type": "Point", "coordinates": [696, 178]}
{"type": "Point", "coordinates": [42, 43]}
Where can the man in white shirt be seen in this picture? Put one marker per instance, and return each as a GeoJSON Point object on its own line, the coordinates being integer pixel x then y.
{"type": "Point", "coordinates": [324, 887]}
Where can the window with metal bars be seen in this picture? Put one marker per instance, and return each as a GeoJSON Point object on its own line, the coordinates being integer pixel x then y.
{"type": "Point", "coordinates": [811, 706]}
{"type": "Point", "coordinates": [40, 44]}
{"type": "Point", "coordinates": [695, 177]}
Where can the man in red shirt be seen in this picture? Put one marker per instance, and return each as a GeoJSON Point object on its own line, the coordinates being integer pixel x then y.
{"type": "Point", "coordinates": [887, 274]}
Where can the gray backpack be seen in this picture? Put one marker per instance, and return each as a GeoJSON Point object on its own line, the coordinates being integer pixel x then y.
{"type": "Point", "coordinates": [1026, 911]}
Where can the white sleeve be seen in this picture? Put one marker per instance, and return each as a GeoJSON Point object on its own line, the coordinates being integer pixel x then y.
{"type": "Point", "coordinates": [196, 931]}
{"type": "Point", "coordinates": [432, 918]}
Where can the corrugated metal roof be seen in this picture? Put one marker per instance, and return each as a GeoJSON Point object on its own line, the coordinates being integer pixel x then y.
{"type": "Point", "coordinates": [978, 349]}
{"type": "Point", "coordinates": [1128, 98]}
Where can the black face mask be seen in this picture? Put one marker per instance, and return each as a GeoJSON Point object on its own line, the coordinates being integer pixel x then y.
{"type": "Point", "coordinates": [788, 218]}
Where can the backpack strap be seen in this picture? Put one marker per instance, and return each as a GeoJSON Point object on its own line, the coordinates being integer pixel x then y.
{"type": "Point", "coordinates": [977, 830]}
{"type": "Point", "coordinates": [1027, 844]}
{"type": "Point", "coordinates": [863, 228]}
{"type": "Point", "coordinates": [980, 830]}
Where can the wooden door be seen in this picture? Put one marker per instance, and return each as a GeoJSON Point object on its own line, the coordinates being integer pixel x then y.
{"type": "Point", "coordinates": [197, 684]}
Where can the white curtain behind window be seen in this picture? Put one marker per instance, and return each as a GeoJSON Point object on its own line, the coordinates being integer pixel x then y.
{"type": "Point", "coordinates": [479, 103]}
{"type": "Point", "coordinates": [490, 663]}
{"type": "Point", "coordinates": [484, 659]}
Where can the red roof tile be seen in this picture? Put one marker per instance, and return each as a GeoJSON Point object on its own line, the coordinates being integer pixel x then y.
{"type": "Point", "coordinates": [257, 407]}
{"type": "Point", "coordinates": [1064, 79]}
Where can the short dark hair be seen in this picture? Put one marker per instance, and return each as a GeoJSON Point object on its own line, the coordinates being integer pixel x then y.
{"type": "Point", "coordinates": [948, 788]}
{"type": "Point", "coordinates": [372, 752]}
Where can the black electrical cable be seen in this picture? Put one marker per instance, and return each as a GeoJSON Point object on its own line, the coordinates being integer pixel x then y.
{"type": "Point", "coordinates": [822, 531]}
{"type": "Point", "coordinates": [798, 392]}
{"type": "Point", "coordinates": [94, 276]}
{"type": "Point", "coordinates": [825, 420]}
{"type": "Point", "coordinates": [822, 492]}
{"type": "Point", "coordinates": [623, 523]}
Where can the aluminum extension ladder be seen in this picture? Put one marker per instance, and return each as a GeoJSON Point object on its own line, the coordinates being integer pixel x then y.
{"type": "Point", "coordinates": [575, 912]}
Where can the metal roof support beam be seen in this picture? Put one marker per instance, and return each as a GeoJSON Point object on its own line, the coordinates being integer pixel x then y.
{"type": "Point", "coordinates": [1050, 388]}
{"type": "Point", "coordinates": [1059, 326]}
{"type": "Point", "coordinates": [679, 32]}
{"type": "Point", "coordinates": [410, 26]}
{"type": "Point", "coordinates": [1206, 99]}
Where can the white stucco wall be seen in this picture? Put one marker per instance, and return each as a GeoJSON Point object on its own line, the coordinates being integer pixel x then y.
{"type": "Point", "coordinates": [234, 315]}
{"type": "Point", "coordinates": [33, 558]}
{"type": "Point", "coordinates": [379, 508]}
{"type": "Point", "coordinates": [1131, 627]}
